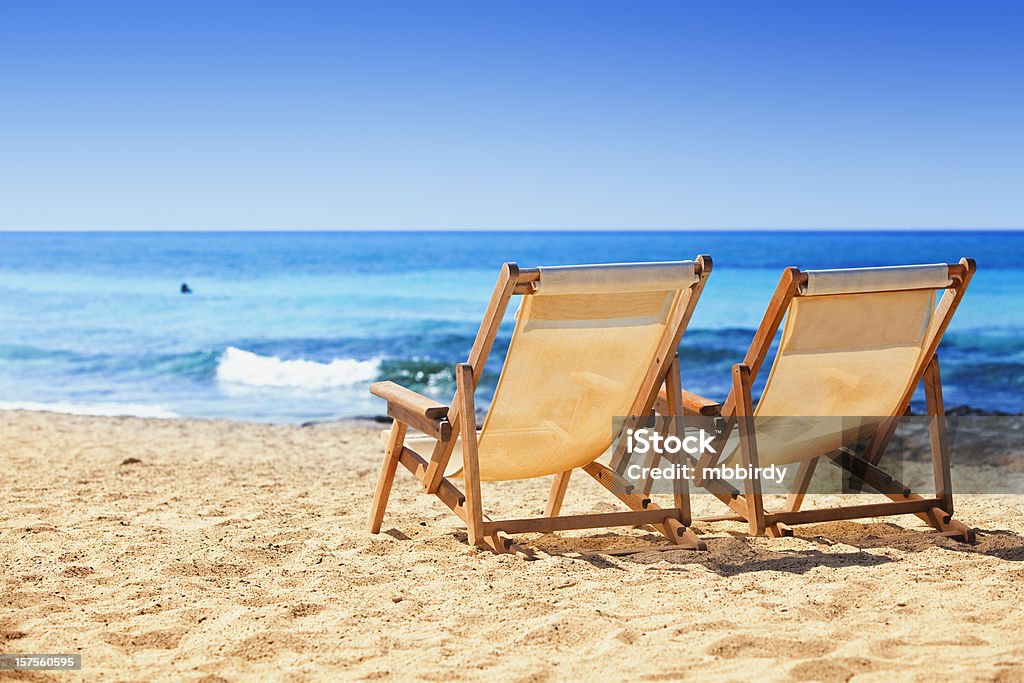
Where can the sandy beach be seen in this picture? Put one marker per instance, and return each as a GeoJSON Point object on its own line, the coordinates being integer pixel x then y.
{"type": "Point", "coordinates": [207, 551]}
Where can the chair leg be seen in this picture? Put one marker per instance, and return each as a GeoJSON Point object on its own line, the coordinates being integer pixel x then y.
{"type": "Point", "coordinates": [396, 442]}
{"type": "Point", "coordinates": [748, 447]}
{"type": "Point", "coordinates": [803, 480]}
{"type": "Point", "coordinates": [652, 461]}
{"type": "Point", "coordinates": [500, 545]}
{"type": "Point", "coordinates": [681, 498]}
{"type": "Point", "coordinates": [675, 426]}
{"type": "Point", "coordinates": [470, 461]}
{"type": "Point", "coordinates": [937, 434]}
{"type": "Point", "coordinates": [777, 530]}
{"type": "Point", "coordinates": [557, 494]}
{"type": "Point", "coordinates": [683, 536]}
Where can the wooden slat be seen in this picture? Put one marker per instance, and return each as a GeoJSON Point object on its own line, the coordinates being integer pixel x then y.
{"type": "Point", "coordinates": [721, 518]}
{"type": "Point", "coordinates": [870, 474]}
{"type": "Point", "coordinates": [594, 521]}
{"type": "Point", "coordinates": [853, 511]}
{"type": "Point", "coordinates": [611, 480]}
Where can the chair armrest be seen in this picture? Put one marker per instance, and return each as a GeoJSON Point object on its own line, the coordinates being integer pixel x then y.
{"type": "Point", "coordinates": [415, 410]}
{"type": "Point", "coordinates": [692, 404]}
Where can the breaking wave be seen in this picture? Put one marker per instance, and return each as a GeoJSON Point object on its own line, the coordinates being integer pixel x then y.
{"type": "Point", "coordinates": [239, 366]}
{"type": "Point", "coordinates": [92, 409]}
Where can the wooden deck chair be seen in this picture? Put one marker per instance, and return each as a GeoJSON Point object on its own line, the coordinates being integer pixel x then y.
{"type": "Point", "coordinates": [856, 344]}
{"type": "Point", "coordinates": [590, 343]}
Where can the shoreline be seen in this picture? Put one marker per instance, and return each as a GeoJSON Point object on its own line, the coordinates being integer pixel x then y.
{"type": "Point", "coordinates": [953, 411]}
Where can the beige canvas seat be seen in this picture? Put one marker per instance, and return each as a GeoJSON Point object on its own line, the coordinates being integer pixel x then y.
{"type": "Point", "coordinates": [590, 343]}
{"type": "Point", "coordinates": [855, 345]}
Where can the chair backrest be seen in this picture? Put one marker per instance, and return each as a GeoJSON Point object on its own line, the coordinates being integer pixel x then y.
{"type": "Point", "coordinates": [853, 348]}
{"type": "Point", "coordinates": [582, 352]}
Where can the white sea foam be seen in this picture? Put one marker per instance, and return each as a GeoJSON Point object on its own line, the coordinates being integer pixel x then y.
{"type": "Point", "coordinates": [239, 366]}
{"type": "Point", "coordinates": [92, 409]}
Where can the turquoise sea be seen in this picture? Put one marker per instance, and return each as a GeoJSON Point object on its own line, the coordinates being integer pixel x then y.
{"type": "Point", "coordinates": [291, 327]}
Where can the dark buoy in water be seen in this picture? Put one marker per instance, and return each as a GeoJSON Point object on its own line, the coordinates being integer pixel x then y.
{"type": "Point", "coordinates": [185, 289]}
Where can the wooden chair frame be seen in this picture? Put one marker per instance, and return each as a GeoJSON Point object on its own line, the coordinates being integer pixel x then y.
{"type": "Point", "coordinates": [737, 412]}
{"type": "Point", "coordinates": [446, 424]}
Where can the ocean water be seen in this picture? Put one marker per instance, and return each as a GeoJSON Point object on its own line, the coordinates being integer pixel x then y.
{"type": "Point", "coordinates": [291, 327]}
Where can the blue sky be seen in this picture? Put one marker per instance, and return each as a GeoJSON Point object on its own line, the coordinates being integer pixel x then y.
{"type": "Point", "coordinates": [511, 115]}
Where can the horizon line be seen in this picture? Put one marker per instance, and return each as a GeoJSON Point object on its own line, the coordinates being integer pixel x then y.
{"type": "Point", "coordinates": [510, 230]}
